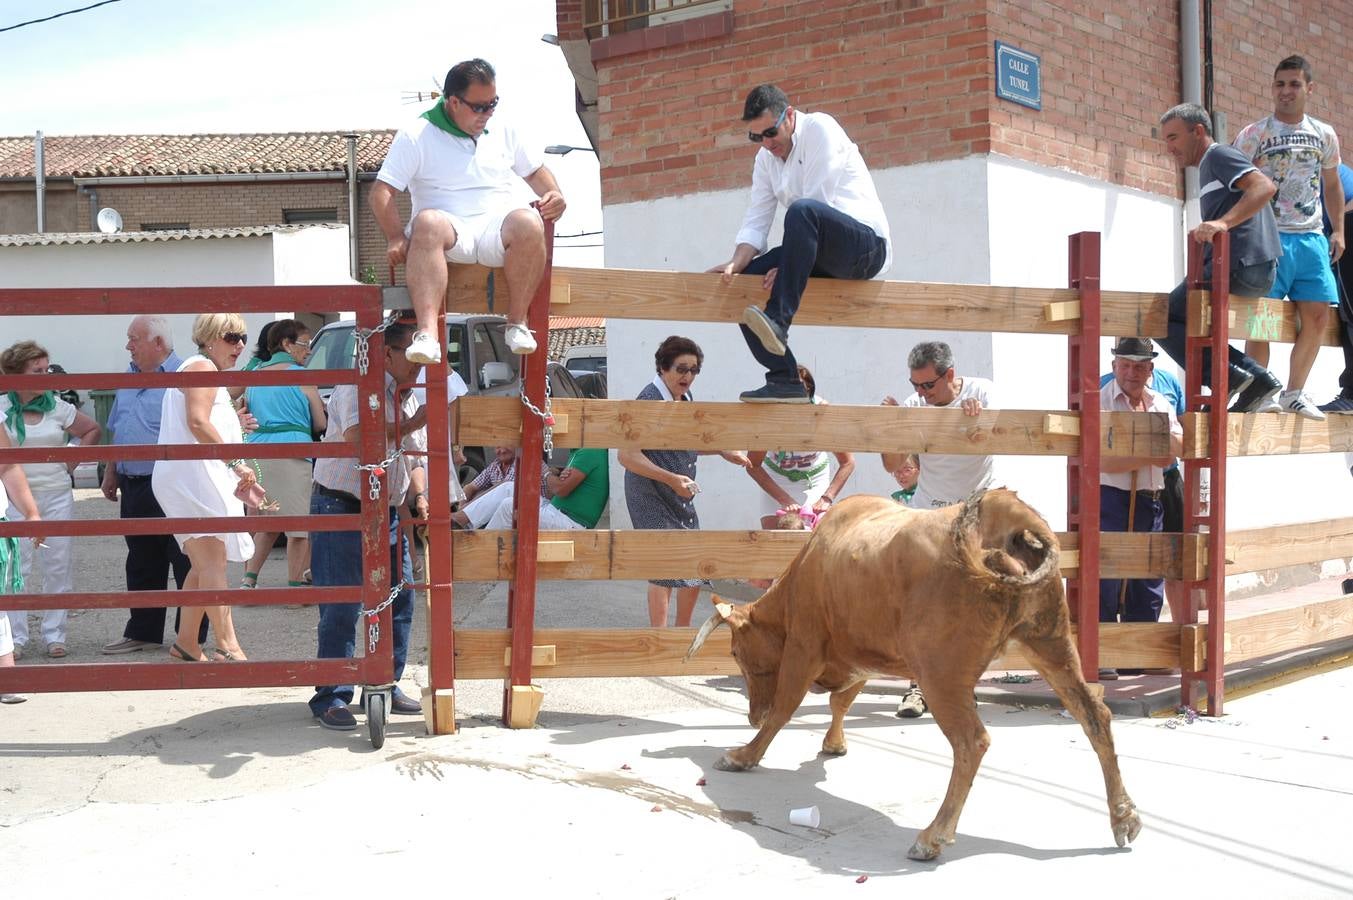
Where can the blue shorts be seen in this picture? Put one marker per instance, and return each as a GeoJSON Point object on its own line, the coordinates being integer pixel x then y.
{"type": "Point", "coordinates": [1304, 273]}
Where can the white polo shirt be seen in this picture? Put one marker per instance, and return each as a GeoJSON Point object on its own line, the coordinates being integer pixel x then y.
{"type": "Point", "coordinates": [823, 164]}
{"type": "Point", "coordinates": [459, 175]}
{"type": "Point", "coordinates": [1112, 399]}
{"type": "Point", "coordinates": [948, 478]}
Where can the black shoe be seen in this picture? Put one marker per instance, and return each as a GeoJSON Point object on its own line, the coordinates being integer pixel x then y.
{"type": "Point", "coordinates": [772, 336]}
{"type": "Point", "coordinates": [1108, 674]}
{"type": "Point", "coordinates": [338, 718]}
{"type": "Point", "coordinates": [776, 392]}
{"type": "Point", "coordinates": [1237, 380]}
{"type": "Point", "coordinates": [1262, 389]}
{"type": "Point", "coordinates": [1340, 404]}
{"type": "Point", "coordinates": [401, 704]}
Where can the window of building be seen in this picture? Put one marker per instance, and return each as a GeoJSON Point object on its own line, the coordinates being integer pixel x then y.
{"type": "Point", "coordinates": [603, 18]}
{"type": "Point", "coordinates": [164, 226]}
{"type": "Point", "coordinates": [301, 216]}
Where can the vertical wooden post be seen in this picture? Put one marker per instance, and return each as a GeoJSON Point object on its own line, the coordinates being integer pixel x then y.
{"type": "Point", "coordinates": [1213, 520]}
{"type": "Point", "coordinates": [378, 667]}
{"type": "Point", "coordinates": [521, 700]}
{"type": "Point", "coordinates": [1082, 474]}
{"type": "Point", "coordinates": [439, 698]}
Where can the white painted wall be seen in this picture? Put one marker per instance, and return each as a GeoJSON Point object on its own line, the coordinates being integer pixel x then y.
{"type": "Point", "coordinates": [97, 343]}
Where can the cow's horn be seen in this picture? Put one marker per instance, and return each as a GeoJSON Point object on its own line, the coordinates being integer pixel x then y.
{"type": "Point", "coordinates": [721, 612]}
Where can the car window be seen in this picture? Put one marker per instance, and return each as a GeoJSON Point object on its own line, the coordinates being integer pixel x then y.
{"type": "Point", "coordinates": [455, 355]}
{"type": "Point", "coordinates": [331, 349]}
{"type": "Point", "coordinates": [497, 336]}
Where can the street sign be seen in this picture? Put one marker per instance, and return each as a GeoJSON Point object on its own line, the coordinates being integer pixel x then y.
{"type": "Point", "coordinates": [1018, 76]}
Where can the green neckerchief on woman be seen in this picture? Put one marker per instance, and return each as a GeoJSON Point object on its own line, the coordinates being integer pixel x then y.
{"type": "Point", "coordinates": [42, 403]}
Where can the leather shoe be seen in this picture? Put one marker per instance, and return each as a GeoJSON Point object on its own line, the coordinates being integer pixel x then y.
{"type": "Point", "coordinates": [767, 331]}
{"type": "Point", "coordinates": [401, 704]}
{"type": "Point", "coordinates": [338, 718]}
{"type": "Point", "coordinates": [777, 392]}
{"type": "Point", "coordinates": [1263, 388]}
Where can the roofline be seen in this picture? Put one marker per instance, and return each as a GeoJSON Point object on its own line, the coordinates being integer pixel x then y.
{"type": "Point", "coordinates": [113, 180]}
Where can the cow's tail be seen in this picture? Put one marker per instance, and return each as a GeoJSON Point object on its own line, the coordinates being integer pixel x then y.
{"type": "Point", "coordinates": [1028, 552]}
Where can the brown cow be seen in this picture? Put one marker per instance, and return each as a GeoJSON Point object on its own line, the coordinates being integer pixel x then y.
{"type": "Point", "coordinates": [880, 589]}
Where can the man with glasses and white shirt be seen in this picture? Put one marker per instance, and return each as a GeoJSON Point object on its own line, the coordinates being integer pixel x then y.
{"type": "Point", "coordinates": [945, 479]}
{"type": "Point", "coordinates": [834, 227]}
{"type": "Point", "coordinates": [462, 177]}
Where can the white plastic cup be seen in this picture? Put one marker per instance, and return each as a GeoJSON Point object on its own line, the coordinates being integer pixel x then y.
{"type": "Point", "coordinates": [807, 816]}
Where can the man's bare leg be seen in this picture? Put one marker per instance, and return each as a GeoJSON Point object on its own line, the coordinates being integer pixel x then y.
{"type": "Point", "coordinates": [1257, 351]}
{"type": "Point", "coordinates": [523, 266]}
{"type": "Point", "coordinates": [1314, 319]}
{"type": "Point", "coordinates": [425, 271]}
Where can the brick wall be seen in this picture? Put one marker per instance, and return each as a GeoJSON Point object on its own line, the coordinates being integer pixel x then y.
{"type": "Point", "coordinates": [251, 203]}
{"type": "Point", "coordinates": [912, 81]}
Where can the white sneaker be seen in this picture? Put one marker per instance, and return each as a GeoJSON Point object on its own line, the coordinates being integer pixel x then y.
{"type": "Point", "coordinates": [519, 339]}
{"type": "Point", "coordinates": [13, 698]}
{"type": "Point", "coordinates": [424, 350]}
{"type": "Point", "coordinates": [1269, 406]}
{"type": "Point", "coordinates": [1300, 403]}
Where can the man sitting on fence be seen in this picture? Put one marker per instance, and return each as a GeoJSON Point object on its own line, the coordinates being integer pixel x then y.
{"type": "Point", "coordinates": [945, 479]}
{"type": "Point", "coordinates": [1130, 487]}
{"type": "Point", "coordinates": [834, 227]}
{"type": "Point", "coordinates": [462, 177]}
{"type": "Point", "coordinates": [1233, 197]}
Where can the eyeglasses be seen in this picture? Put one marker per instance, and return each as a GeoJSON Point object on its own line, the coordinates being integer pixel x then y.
{"type": "Point", "coordinates": [235, 337]}
{"type": "Point", "coordinates": [757, 137]}
{"type": "Point", "coordinates": [928, 385]}
{"type": "Point", "coordinates": [305, 344]}
{"type": "Point", "coordinates": [481, 108]}
{"type": "Point", "coordinates": [688, 370]}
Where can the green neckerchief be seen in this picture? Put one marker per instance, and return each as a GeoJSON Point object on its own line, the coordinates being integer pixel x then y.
{"type": "Point", "coordinates": [281, 356]}
{"type": "Point", "coordinates": [42, 403]}
{"type": "Point", "coordinates": [437, 116]}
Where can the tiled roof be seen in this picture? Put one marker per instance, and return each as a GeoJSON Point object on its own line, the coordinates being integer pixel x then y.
{"type": "Point", "coordinates": [562, 339]}
{"type": "Point", "coordinates": [136, 237]}
{"type": "Point", "coordinates": [122, 155]}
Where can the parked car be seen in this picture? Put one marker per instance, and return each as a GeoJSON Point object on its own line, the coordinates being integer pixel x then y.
{"type": "Point", "coordinates": [585, 358]}
{"type": "Point", "coordinates": [478, 352]}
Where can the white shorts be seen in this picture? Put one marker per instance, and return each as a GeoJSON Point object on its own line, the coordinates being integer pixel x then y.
{"type": "Point", "coordinates": [6, 641]}
{"type": "Point", "coordinates": [479, 239]}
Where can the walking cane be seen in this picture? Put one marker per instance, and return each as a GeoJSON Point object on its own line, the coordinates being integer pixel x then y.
{"type": "Point", "coordinates": [1132, 518]}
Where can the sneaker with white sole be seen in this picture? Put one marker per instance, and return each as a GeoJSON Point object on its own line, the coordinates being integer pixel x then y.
{"type": "Point", "coordinates": [913, 704]}
{"type": "Point", "coordinates": [424, 351]}
{"type": "Point", "coordinates": [1300, 403]}
{"type": "Point", "coordinates": [1341, 405]}
{"type": "Point", "coordinates": [13, 698]}
{"type": "Point", "coordinates": [519, 339]}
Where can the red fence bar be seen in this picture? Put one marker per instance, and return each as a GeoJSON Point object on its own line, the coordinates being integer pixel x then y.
{"type": "Point", "coordinates": [1211, 520]}
{"type": "Point", "coordinates": [139, 599]}
{"type": "Point", "coordinates": [521, 594]}
{"type": "Point", "coordinates": [176, 676]}
{"type": "Point", "coordinates": [1082, 472]}
{"type": "Point", "coordinates": [327, 298]}
{"type": "Point", "coordinates": [439, 573]}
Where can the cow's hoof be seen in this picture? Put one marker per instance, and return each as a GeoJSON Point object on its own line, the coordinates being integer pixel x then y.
{"type": "Point", "coordinates": [1126, 824]}
{"type": "Point", "coordinates": [834, 750]}
{"type": "Point", "coordinates": [922, 851]}
{"type": "Point", "coordinates": [729, 763]}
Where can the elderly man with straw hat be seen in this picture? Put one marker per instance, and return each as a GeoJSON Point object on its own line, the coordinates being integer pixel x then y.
{"type": "Point", "coordinates": [1130, 487]}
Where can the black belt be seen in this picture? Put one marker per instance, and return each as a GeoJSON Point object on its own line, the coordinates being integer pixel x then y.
{"type": "Point", "coordinates": [134, 477]}
{"type": "Point", "coordinates": [337, 495]}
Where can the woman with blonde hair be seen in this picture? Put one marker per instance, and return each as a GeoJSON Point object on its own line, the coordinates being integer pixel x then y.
{"type": "Point", "coordinates": [206, 487]}
{"type": "Point", "coordinates": [42, 419]}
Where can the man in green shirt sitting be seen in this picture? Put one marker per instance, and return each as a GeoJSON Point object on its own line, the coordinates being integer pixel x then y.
{"type": "Point", "coordinates": [578, 494]}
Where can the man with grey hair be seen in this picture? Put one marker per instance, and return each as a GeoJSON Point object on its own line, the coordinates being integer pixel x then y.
{"type": "Point", "coordinates": [945, 479]}
{"type": "Point", "coordinates": [135, 419]}
{"type": "Point", "coordinates": [1233, 196]}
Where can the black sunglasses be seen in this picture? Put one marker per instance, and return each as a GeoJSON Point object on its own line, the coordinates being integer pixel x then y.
{"type": "Point", "coordinates": [928, 385]}
{"type": "Point", "coordinates": [687, 370]}
{"type": "Point", "coordinates": [757, 137]}
{"type": "Point", "coordinates": [235, 337]}
{"type": "Point", "coordinates": [481, 108]}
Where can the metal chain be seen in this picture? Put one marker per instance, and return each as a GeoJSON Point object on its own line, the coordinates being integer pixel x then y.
{"type": "Point", "coordinates": [545, 415]}
{"type": "Point", "coordinates": [376, 470]}
{"type": "Point", "coordinates": [374, 626]}
{"type": "Point", "coordinates": [363, 335]}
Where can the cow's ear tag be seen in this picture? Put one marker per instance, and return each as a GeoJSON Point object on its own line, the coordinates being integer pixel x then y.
{"type": "Point", "coordinates": [723, 609]}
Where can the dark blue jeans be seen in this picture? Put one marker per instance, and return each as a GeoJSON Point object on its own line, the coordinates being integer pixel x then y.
{"type": "Point", "coordinates": [818, 241]}
{"type": "Point", "coordinates": [336, 560]}
{"type": "Point", "coordinates": [1144, 595]}
{"type": "Point", "coordinates": [1246, 281]}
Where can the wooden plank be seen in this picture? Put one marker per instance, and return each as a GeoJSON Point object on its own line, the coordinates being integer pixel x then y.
{"type": "Point", "coordinates": [634, 555]}
{"type": "Point", "coordinates": [1272, 434]}
{"type": "Point", "coordinates": [1288, 629]}
{"type": "Point", "coordinates": [439, 710]}
{"type": "Point", "coordinates": [640, 424]}
{"type": "Point", "coordinates": [541, 655]}
{"type": "Point", "coordinates": [640, 294]}
{"type": "Point", "coordinates": [633, 652]}
{"type": "Point", "coordinates": [1193, 648]}
{"type": "Point", "coordinates": [554, 551]}
{"type": "Point", "coordinates": [1257, 549]}
{"type": "Point", "coordinates": [1259, 319]}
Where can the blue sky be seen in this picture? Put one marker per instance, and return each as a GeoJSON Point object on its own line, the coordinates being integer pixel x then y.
{"type": "Point", "coordinates": [181, 66]}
